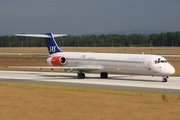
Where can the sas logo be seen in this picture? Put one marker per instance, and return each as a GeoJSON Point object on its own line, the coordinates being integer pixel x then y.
{"type": "Point", "coordinates": [52, 49]}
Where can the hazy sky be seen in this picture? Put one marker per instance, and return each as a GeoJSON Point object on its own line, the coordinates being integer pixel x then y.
{"type": "Point", "coordinates": [88, 16]}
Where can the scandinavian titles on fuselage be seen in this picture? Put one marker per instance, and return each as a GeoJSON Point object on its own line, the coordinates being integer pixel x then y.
{"type": "Point", "coordinates": [137, 58]}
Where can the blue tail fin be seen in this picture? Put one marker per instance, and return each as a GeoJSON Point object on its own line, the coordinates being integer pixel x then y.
{"type": "Point", "coordinates": [51, 44]}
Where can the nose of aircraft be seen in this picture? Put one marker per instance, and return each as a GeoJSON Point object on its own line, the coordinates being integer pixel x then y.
{"type": "Point", "coordinates": [170, 70]}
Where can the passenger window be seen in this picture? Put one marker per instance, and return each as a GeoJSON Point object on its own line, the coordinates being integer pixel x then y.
{"type": "Point", "coordinates": [156, 62]}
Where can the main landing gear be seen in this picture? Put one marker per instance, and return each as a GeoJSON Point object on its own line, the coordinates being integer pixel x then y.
{"type": "Point", "coordinates": [80, 75]}
{"type": "Point", "coordinates": [165, 78]}
{"type": "Point", "coordinates": [104, 75]}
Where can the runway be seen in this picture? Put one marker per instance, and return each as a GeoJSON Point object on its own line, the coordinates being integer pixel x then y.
{"type": "Point", "coordinates": [121, 82]}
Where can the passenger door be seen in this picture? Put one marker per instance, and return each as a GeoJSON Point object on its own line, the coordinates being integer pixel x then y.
{"type": "Point", "coordinates": [149, 65]}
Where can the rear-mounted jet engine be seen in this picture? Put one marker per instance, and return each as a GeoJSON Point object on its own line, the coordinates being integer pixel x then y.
{"type": "Point", "coordinates": [56, 61]}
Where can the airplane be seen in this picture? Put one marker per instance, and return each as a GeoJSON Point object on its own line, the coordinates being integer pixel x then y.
{"type": "Point", "coordinates": [102, 63]}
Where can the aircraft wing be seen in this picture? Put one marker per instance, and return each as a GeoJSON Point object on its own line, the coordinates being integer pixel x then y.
{"type": "Point", "coordinates": [67, 68]}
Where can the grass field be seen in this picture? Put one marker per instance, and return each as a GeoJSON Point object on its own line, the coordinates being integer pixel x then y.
{"type": "Point", "coordinates": [28, 101]}
{"type": "Point", "coordinates": [43, 102]}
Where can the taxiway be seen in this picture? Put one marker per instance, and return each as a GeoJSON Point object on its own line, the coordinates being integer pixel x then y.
{"type": "Point", "coordinates": [121, 82]}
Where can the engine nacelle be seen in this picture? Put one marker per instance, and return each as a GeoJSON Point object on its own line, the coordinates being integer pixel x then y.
{"type": "Point", "coordinates": [56, 61]}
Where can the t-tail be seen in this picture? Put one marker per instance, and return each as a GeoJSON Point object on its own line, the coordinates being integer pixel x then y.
{"type": "Point", "coordinates": [51, 44]}
{"type": "Point", "coordinates": [49, 39]}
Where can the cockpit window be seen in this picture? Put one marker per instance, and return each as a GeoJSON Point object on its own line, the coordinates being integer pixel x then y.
{"type": "Point", "coordinates": [156, 62]}
{"type": "Point", "coordinates": [165, 61]}
{"type": "Point", "coordinates": [160, 61]}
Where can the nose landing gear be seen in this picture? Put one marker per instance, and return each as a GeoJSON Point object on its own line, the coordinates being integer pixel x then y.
{"type": "Point", "coordinates": [80, 75]}
{"type": "Point", "coordinates": [165, 78]}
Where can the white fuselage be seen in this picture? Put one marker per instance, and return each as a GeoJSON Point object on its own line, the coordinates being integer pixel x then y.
{"type": "Point", "coordinates": [133, 64]}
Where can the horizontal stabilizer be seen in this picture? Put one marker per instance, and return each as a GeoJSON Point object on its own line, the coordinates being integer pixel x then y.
{"type": "Point", "coordinates": [40, 35]}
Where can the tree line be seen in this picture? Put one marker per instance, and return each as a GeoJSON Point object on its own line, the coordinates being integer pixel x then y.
{"type": "Point", "coordinates": [167, 39]}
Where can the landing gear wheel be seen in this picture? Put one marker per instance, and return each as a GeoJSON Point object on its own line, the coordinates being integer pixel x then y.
{"type": "Point", "coordinates": [104, 75]}
{"type": "Point", "coordinates": [164, 80]}
{"type": "Point", "coordinates": [80, 75]}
